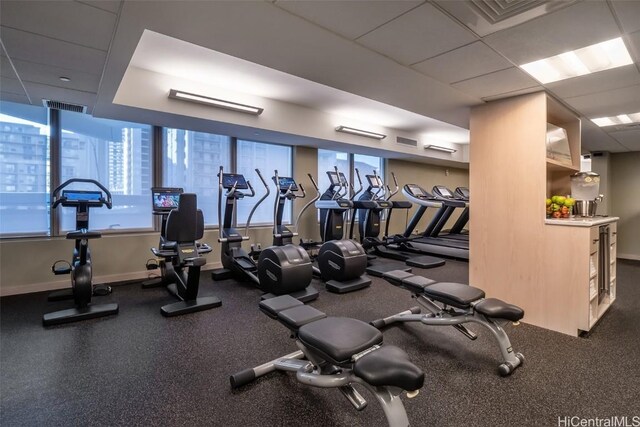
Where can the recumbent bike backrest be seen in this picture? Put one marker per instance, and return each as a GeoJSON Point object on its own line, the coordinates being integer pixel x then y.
{"type": "Point", "coordinates": [186, 222]}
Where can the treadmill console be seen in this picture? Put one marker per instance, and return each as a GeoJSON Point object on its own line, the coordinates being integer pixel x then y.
{"type": "Point", "coordinates": [462, 193]}
{"type": "Point", "coordinates": [374, 181]}
{"type": "Point", "coordinates": [286, 183]}
{"type": "Point", "coordinates": [165, 199]}
{"type": "Point", "coordinates": [416, 191]}
{"type": "Point", "coordinates": [231, 179]}
{"type": "Point", "coordinates": [442, 191]}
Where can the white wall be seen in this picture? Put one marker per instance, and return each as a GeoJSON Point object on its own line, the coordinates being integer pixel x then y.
{"type": "Point", "coordinates": [625, 202]}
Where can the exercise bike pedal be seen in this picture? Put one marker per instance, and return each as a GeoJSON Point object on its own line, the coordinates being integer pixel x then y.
{"type": "Point", "coordinates": [101, 290]}
{"type": "Point", "coordinates": [59, 270]}
{"type": "Point", "coordinates": [466, 332]}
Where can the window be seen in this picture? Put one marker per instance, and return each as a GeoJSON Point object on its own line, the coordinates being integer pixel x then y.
{"type": "Point", "coordinates": [118, 155]}
{"type": "Point", "coordinates": [267, 158]}
{"type": "Point", "coordinates": [191, 160]}
{"type": "Point", "coordinates": [327, 160]}
{"type": "Point", "coordinates": [366, 165]}
{"type": "Point", "coordinates": [24, 195]}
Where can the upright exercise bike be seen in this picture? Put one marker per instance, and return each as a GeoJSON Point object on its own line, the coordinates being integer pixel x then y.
{"type": "Point", "coordinates": [82, 288]}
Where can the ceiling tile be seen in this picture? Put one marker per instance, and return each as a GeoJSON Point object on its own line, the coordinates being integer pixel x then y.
{"type": "Point", "coordinates": [577, 26]}
{"type": "Point", "coordinates": [112, 6]}
{"type": "Point", "coordinates": [12, 97]}
{"type": "Point", "coordinates": [464, 63]}
{"type": "Point", "coordinates": [63, 20]}
{"type": "Point", "coordinates": [10, 85]}
{"type": "Point", "coordinates": [6, 70]}
{"type": "Point", "coordinates": [484, 17]}
{"type": "Point", "coordinates": [509, 80]}
{"type": "Point", "coordinates": [43, 50]}
{"type": "Point", "coordinates": [50, 75]}
{"type": "Point", "coordinates": [633, 44]}
{"type": "Point", "coordinates": [37, 92]}
{"type": "Point", "coordinates": [351, 19]}
{"type": "Point", "coordinates": [593, 138]}
{"type": "Point", "coordinates": [417, 35]}
{"type": "Point", "coordinates": [610, 103]}
{"type": "Point", "coordinates": [628, 12]}
{"type": "Point", "coordinates": [628, 138]}
{"type": "Point", "coordinates": [596, 82]}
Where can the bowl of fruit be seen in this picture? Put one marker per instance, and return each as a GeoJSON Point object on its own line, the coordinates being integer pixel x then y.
{"type": "Point", "coordinates": [560, 207]}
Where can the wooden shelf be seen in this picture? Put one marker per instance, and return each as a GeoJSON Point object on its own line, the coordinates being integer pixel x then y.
{"type": "Point", "coordinates": [556, 166]}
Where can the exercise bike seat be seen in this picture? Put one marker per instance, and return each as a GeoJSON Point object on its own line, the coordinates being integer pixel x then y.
{"type": "Point", "coordinates": [339, 338]}
{"type": "Point", "coordinates": [454, 294]}
{"type": "Point", "coordinates": [498, 309]}
{"type": "Point", "coordinates": [389, 366]}
{"type": "Point", "coordinates": [83, 233]}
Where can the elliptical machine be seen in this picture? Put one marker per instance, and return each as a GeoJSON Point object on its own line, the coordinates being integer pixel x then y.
{"type": "Point", "coordinates": [369, 218]}
{"type": "Point", "coordinates": [82, 288]}
{"type": "Point", "coordinates": [342, 262]}
{"type": "Point", "coordinates": [279, 270]}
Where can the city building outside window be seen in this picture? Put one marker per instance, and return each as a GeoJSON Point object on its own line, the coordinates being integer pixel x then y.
{"type": "Point", "coordinates": [24, 177]}
{"type": "Point", "coordinates": [191, 160]}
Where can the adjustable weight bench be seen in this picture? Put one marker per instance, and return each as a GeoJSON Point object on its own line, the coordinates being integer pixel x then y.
{"type": "Point", "coordinates": [453, 304]}
{"type": "Point", "coordinates": [336, 352]}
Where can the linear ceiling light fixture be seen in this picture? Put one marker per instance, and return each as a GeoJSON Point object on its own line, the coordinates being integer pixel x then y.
{"type": "Point", "coordinates": [587, 60]}
{"type": "Point", "coordinates": [360, 132]}
{"type": "Point", "coordinates": [621, 119]}
{"type": "Point", "coordinates": [439, 148]}
{"type": "Point", "coordinates": [214, 102]}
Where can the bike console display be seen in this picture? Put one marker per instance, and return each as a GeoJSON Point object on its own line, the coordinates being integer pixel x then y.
{"type": "Point", "coordinates": [229, 180]}
{"type": "Point", "coordinates": [287, 183]}
{"type": "Point", "coordinates": [165, 199]}
{"type": "Point", "coordinates": [81, 196]}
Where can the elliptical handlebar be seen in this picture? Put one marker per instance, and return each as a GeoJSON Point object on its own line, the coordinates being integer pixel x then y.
{"type": "Point", "coordinates": [359, 184]}
{"type": "Point", "coordinates": [55, 195]}
{"type": "Point", "coordinates": [381, 188]}
{"type": "Point", "coordinates": [220, 188]}
{"type": "Point", "coordinates": [262, 199]}
{"type": "Point", "coordinates": [311, 202]}
{"type": "Point", "coordinates": [395, 182]}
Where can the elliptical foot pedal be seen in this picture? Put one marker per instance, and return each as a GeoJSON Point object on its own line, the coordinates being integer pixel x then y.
{"type": "Point", "coordinates": [307, 294]}
{"type": "Point", "coordinates": [349, 285]}
{"type": "Point", "coordinates": [221, 274]}
{"type": "Point", "coordinates": [186, 307]}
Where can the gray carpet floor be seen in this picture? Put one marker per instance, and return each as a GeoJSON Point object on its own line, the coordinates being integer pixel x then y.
{"type": "Point", "coordinates": [138, 368]}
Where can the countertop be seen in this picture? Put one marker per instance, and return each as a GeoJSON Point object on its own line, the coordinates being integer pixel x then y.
{"type": "Point", "coordinates": [582, 222]}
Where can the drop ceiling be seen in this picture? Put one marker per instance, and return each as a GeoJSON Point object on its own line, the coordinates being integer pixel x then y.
{"type": "Point", "coordinates": [435, 59]}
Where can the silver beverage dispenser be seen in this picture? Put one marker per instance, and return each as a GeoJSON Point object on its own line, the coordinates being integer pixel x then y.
{"type": "Point", "coordinates": [585, 189]}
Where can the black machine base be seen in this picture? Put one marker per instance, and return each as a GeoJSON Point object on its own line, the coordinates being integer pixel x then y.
{"type": "Point", "coordinates": [76, 314]}
{"type": "Point", "coordinates": [348, 286]}
{"type": "Point", "coordinates": [307, 294]}
{"type": "Point", "coordinates": [425, 261]}
{"type": "Point", "coordinates": [185, 307]}
{"type": "Point", "coordinates": [66, 294]}
{"type": "Point", "coordinates": [379, 268]}
{"type": "Point", "coordinates": [156, 282]}
{"type": "Point", "coordinates": [221, 274]}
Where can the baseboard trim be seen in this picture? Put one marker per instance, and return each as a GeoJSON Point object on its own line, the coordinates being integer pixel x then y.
{"type": "Point", "coordinates": [629, 256]}
{"type": "Point", "coordinates": [6, 291]}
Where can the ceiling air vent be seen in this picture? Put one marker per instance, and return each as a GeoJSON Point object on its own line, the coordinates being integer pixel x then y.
{"type": "Point", "coordinates": [59, 105]}
{"type": "Point", "coordinates": [406, 141]}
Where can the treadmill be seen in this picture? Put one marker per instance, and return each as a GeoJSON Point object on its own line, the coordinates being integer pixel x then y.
{"type": "Point", "coordinates": [426, 244]}
{"type": "Point", "coordinates": [462, 194]}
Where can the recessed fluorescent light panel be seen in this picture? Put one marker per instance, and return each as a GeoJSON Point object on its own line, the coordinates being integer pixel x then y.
{"type": "Point", "coordinates": [439, 148]}
{"type": "Point", "coordinates": [360, 132]}
{"type": "Point", "coordinates": [590, 59]}
{"type": "Point", "coordinates": [621, 119]}
{"type": "Point", "coordinates": [213, 102]}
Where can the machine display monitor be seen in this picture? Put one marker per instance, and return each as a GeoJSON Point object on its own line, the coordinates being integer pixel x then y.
{"type": "Point", "coordinates": [416, 191]}
{"type": "Point", "coordinates": [165, 199]}
{"type": "Point", "coordinates": [444, 191]}
{"type": "Point", "coordinates": [374, 181]}
{"type": "Point", "coordinates": [343, 179]}
{"type": "Point", "coordinates": [82, 196]}
{"type": "Point", "coordinates": [231, 179]}
{"type": "Point", "coordinates": [287, 183]}
{"type": "Point", "coordinates": [333, 178]}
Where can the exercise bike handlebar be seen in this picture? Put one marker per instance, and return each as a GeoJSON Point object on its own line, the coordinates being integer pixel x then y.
{"type": "Point", "coordinates": [56, 193]}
